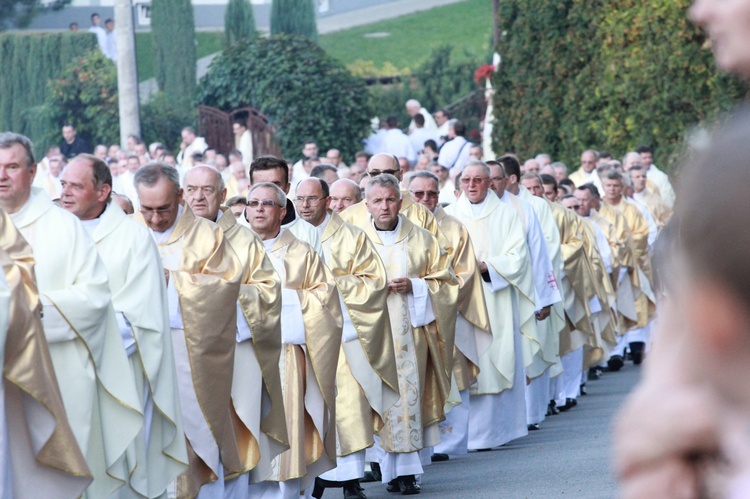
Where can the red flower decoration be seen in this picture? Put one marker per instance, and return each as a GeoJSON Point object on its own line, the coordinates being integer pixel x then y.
{"type": "Point", "coordinates": [484, 72]}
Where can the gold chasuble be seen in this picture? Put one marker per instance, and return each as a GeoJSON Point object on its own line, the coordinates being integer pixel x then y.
{"type": "Point", "coordinates": [205, 273]}
{"type": "Point", "coordinates": [473, 336]}
{"type": "Point", "coordinates": [499, 240]}
{"type": "Point", "coordinates": [41, 449]}
{"type": "Point", "coordinates": [308, 363]}
{"type": "Point", "coordinates": [139, 297]}
{"type": "Point", "coordinates": [256, 388]}
{"type": "Point", "coordinates": [366, 378]}
{"type": "Point", "coordinates": [424, 352]}
{"type": "Point", "coordinates": [92, 369]}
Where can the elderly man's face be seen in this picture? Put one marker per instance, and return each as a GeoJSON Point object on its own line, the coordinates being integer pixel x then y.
{"type": "Point", "coordinates": [475, 183]}
{"type": "Point", "coordinates": [531, 166]}
{"type": "Point", "coordinates": [383, 163]}
{"type": "Point", "coordinates": [159, 204]}
{"type": "Point", "coordinates": [383, 204]}
{"type": "Point", "coordinates": [498, 180]}
{"type": "Point", "coordinates": [357, 171]}
{"type": "Point", "coordinates": [263, 211]}
{"type": "Point", "coordinates": [343, 195]}
{"type": "Point", "coordinates": [202, 192]}
{"type": "Point", "coordinates": [425, 192]}
{"type": "Point", "coordinates": [16, 178]}
{"type": "Point", "coordinates": [588, 162]}
{"type": "Point", "coordinates": [638, 177]}
{"type": "Point", "coordinates": [333, 157]}
{"type": "Point", "coordinates": [726, 24]}
{"type": "Point", "coordinates": [55, 165]}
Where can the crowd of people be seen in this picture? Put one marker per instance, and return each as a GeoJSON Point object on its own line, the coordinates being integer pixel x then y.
{"type": "Point", "coordinates": [245, 326]}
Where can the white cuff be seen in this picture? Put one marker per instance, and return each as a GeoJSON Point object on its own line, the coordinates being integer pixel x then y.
{"type": "Point", "coordinates": [56, 328]}
{"type": "Point", "coordinates": [420, 304]}
{"type": "Point", "coordinates": [126, 333]}
{"type": "Point", "coordinates": [623, 272]}
{"type": "Point", "coordinates": [243, 328]}
{"type": "Point", "coordinates": [497, 282]}
{"type": "Point", "coordinates": [292, 323]}
{"type": "Point", "coordinates": [175, 313]}
{"type": "Point", "coordinates": [348, 332]}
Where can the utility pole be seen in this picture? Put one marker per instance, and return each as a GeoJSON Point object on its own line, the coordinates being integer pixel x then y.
{"type": "Point", "coordinates": [127, 73]}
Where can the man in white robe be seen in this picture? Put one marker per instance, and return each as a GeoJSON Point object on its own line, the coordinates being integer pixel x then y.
{"type": "Point", "coordinates": [503, 259]}
{"type": "Point", "coordinates": [139, 298]}
{"type": "Point", "coordinates": [95, 378]}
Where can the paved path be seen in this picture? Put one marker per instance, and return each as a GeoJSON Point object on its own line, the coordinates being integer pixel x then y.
{"type": "Point", "coordinates": [568, 457]}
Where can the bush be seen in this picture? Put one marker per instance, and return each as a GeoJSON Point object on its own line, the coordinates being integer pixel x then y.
{"type": "Point", "coordinates": [239, 22]}
{"type": "Point", "coordinates": [302, 91]}
{"type": "Point", "coordinates": [601, 75]}
{"type": "Point", "coordinates": [30, 61]}
{"type": "Point", "coordinates": [163, 122]}
{"type": "Point", "coordinates": [294, 17]}
{"type": "Point", "coordinates": [84, 95]}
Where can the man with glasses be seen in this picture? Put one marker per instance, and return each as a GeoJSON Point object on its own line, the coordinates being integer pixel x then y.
{"type": "Point", "coordinates": [203, 282]}
{"type": "Point", "coordinates": [366, 379]}
{"type": "Point", "coordinates": [473, 335]}
{"type": "Point", "coordinates": [498, 406]}
{"type": "Point", "coordinates": [256, 386]}
{"type": "Point", "coordinates": [311, 327]}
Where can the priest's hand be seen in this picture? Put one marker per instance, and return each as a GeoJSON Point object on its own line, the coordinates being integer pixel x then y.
{"type": "Point", "coordinates": [481, 266]}
{"type": "Point", "coordinates": [166, 275]}
{"type": "Point", "coordinates": [543, 313]}
{"type": "Point", "coordinates": [402, 285]}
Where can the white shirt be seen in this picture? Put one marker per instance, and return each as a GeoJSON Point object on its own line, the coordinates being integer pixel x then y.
{"type": "Point", "coordinates": [398, 144]}
{"type": "Point", "coordinates": [455, 154]}
{"type": "Point", "coordinates": [419, 136]}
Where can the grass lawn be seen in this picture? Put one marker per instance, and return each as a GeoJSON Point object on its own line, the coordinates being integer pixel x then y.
{"type": "Point", "coordinates": [467, 26]}
{"type": "Point", "coordinates": [208, 43]}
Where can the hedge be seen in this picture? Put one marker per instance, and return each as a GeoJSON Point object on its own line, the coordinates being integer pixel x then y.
{"type": "Point", "coordinates": [609, 75]}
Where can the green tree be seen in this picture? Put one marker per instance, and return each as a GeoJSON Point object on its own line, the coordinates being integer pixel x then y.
{"type": "Point", "coordinates": [608, 75]}
{"type": "Point", "coordinates": [304, 93]}
{"type": "Point", "coordinates": [173, 38]}
{"type": "Point", "coordinates": [19, 13]}
{"type": "Point", "coordinates": [295, 17]}
{"type": "Point", "coordinates": [239, 21]}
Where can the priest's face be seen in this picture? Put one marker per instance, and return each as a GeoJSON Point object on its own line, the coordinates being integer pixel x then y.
{"type": "Point", "coordinates": [425, 192]}
{"type": "Point", "coordinates": [264, 213]}
{"type": "Point", "coordinates": [274, 176]}
{"type": "Point", "coordinates": [16, 177]}
{"type": "Point", "coordinates": [588, 162]}
{"type": "Point", "coordinates": [638, 177]}
{"type": "Point", "coordinates": [572, 204]}
{"type": "Point", "coordinates": [343, 195]}
{"type": "Point", "coordinates": [384, 204]}
{"type": "Point", "coordinates": [310, 201]}
{"type": "Point", "coordinates": [475, 183]}
{"type": "Point", "coordinates": [159, 204]}
{"type": "Point", "coordinates": [550, 193]}
{"type": "Point", "coordinates": [586, 200]}
{"type": "Point", "coordinates": [534, 185]}
{"type": "Point", "coordinates": [80, 195]}
{"type": "Point", "coordinates": [384, 163]}
{"type": "Point", "coordinates": [203, 192]}
{"type": "Point", "coordinates": [612, 190]}
{"type": "Point", "coordinates": [498, 179]}
{"type": "Point", "coordinates": [726, 22]}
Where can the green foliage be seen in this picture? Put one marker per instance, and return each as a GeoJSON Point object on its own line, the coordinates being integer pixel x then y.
{"type": "Point", "coordinates": [207, 43]}
{"type": "Point", "coordinates": [303, 92]}
{"type": "Point", "coordinates": [85, 96]}
{"type": "Point", "coordinates": [19, 13]}
{"type": "Point", "coordinates": [294, 17]}
{"type": "Point", "coordinates": [173, 36]}
{"type": "Point", "coordinates": [607, 75]}
{"type": "Point", "coordinates": [30, 61]}
{"type": "Point", "coordinates": [239, 22]}
{"type": "Point", "coordinates": [162, 122]}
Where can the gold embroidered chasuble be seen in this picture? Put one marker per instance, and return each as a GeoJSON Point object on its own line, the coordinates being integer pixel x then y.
{"type": "Point", "coordinates": [366, 378]}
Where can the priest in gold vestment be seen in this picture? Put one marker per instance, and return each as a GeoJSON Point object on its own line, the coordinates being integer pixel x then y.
{"type": "Point", "coordinates": [311, 324]}
{"type": "Point", "coordinates": [421, 304]}
{"type": "Point", "coordinates": [203, 275]}
{"type": "Point", "coordinates": [260, 426]}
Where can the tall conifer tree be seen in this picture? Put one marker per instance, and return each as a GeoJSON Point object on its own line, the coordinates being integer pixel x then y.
{"type": "Point", "coordinates": [296, 17]}
{"type": "Point", "coordinates": [173, 36]}
{"type": "Point", "coordinates": [239, 21]}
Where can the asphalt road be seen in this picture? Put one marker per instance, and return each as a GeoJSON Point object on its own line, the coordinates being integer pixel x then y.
{"type": "Point", "coordinates": [568, 457]}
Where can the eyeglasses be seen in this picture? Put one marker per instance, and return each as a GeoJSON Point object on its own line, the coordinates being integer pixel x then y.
{"type": "Point", "coordinates": [311, 200]}
{"type": "Point", "coordinates": [421, 194]}
{"type": "Point", "coordinates": [266, 203]}
{"type": "Point", "coordinates": [149, 212]}
{"type": "Point", "coordinates": [477, 180]}
{"type": "Point", "coordinates": [375, 173]}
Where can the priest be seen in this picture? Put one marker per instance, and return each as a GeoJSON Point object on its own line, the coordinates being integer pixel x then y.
{"type": "Point", "coordinates": [256, 386]}
{"type": "Point", "coordinates": [311, 325]}
{"type": "Point", "coordinates": [366, 377]}
{"type": "Point", "coordinates": [202, 274]}
{"type": "Point", "coordinates": [139, 298]}
{"type": "Point", "coordinates": [422, 293]}
{"type": "Point", "coordinates": [90, 363]}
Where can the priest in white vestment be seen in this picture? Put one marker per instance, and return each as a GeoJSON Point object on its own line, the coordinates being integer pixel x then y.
{"type": "Point", "coordinates": [203, 274]}
{"type": "Point", "coordinates": [421, 304]}
{"type": "Point", "coordinates": [311, 325]}
{"type": "Point", "coordinates": [95, 378]}
{"type": "Point", "coordinates": [503, 260]}
{"type": "Point", "coordinates": [139, 298]}
{"type": "Point", "coordinates": [256, 386]}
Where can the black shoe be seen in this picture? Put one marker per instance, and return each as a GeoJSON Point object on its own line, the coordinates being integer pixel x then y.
{"type": "Point", "coordinates": [594, 373]}
{"type": "Point", "coordinates": [569, 404]}
{"type": "Point", "coordinates": [636, 352]}
{"type": "Point", "coordinates": [534, 427]}
{"type": "Point", "coordinates": [352, 490]}
{"type": "Point", "coordinates": [376, 474]}
{"type": "Point", "coordinates": [552, 409]}
{"type": "Point", "coordinates": [439, 457]}
{"type": "Point", "coordinates": [583, 389]}
{"type": "Point", "coordinates": [394, 485]}
{"type": "Point", "coordinates": [321, 485]}
{"type": "Point", "coordinates": [483, 450]}
{"type": "Point", "coordinates": [615, 363]}
{"type": "Point", "coordinates": [409, 485]}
